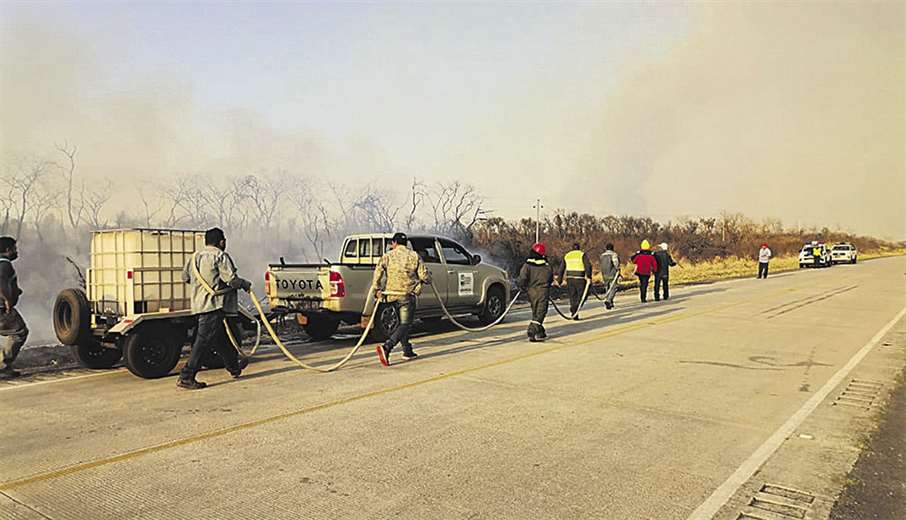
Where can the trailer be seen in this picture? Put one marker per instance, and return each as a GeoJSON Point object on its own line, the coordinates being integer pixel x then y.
{"type": "Point", "coordinates": [135, 305]}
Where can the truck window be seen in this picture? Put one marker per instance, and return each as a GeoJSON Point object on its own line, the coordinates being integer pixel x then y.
{"type": "Point", "coordinates": [454, 253]}
{"type": "Point", "coordinates": [425, 249]}
{"type": "Point", "coordinates": [351, 249]}
{"type": "Point", "coordinates": [364, 248]}
{"type": "Point", "coordinates": [377, 245]}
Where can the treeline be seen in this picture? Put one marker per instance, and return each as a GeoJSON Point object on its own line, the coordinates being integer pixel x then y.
{"type": "Point", "coordinates": [691, 239]}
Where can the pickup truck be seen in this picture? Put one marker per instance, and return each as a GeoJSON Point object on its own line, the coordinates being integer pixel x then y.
{"type": "Point", "coordinates": [326, 294]}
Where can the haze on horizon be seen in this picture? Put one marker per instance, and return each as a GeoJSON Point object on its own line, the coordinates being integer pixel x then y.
{"type": "Point", "coordinates": [788, 110]}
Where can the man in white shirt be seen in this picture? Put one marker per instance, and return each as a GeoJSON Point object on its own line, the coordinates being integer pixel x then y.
{"type": "Point", "coordinates": [764, 258]}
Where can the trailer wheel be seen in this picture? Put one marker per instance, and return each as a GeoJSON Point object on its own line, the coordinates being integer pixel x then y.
{"type": "Point", "coordinates": [321, 328]}
{"type": "Point", "coordinates": [92, 354]}
{"type": "Point", "coordinates": [387, 321]}
{"type": "Point", "coordinates": [151, 353]}
{"type": "Point", "coordinates": [494, 305]}
{"type": "Point", "coordinates": [72, 318]}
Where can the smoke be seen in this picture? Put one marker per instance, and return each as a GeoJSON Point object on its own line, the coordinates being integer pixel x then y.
{"type": "Point", "coordinates": [790, 110]}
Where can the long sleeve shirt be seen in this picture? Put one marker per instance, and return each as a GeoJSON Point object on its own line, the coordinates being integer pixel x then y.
{"type": "Point", "coordinates": [217, 269]}
{"type": "Point", "coordinates": [400, 273]}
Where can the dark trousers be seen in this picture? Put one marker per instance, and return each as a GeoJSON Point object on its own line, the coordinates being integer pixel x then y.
{"type": "Point", "coordinates": [539, 299]}
{"type": "Point", "coordinates": [14, 332]}
{"type": "Point", "coordinates": [658, 281]}
{"type": "Point", "coordinates": [209, 334]}
{"type": "Point", "coordinates": [405, 307]}
{"type": "Point", "coordinates": [611, 284]}
{"type": "Point", "coordinates": [762, 269]}
{"type": "Point", "coordinates": [575, 287]}
{"type": "Point", "coordinates": [643, 286]}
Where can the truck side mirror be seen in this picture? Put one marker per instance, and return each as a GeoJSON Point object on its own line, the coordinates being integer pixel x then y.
{"type": "Point", "coordinates": [476, 259]}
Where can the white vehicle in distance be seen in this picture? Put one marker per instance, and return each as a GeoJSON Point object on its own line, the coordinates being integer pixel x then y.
{"type": "Point", "coordinates": [844, 253]}
{"type": "Point", "coordinates": [814, 255]}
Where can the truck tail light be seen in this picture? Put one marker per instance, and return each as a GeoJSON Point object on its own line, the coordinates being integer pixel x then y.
{"type": "Point", "coordinates": [267, 283]}
{"type": "Point", "coordinates": [337, 286]}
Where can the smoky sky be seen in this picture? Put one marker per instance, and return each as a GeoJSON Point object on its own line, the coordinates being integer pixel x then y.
{"type": "Point", "coordinates": [775, 109]}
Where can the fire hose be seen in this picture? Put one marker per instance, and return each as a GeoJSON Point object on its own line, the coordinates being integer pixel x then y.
{"type": "Point", "coordinates": [581, 302]}
{"type": "Point", "coordinates": [286, 351]}
{"type": "Point", "coordinates": [473, 329]}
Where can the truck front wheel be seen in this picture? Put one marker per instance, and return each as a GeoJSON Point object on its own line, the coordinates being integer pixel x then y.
{"type": "Point", "coordinates": [92, 354]}
{"type": "Point", "coordinates": [151, 353]}
{"type": "Point", "coordinates": [494, 305]}
{"type": "Point", "coordinates": [321, 328]}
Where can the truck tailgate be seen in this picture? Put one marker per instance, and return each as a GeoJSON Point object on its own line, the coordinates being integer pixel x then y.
{"type": "Point", "coordinates": [298, 282]}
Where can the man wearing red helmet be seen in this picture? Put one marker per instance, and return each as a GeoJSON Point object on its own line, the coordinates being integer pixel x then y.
{"type": "Point", "coordinates": [535, 279]}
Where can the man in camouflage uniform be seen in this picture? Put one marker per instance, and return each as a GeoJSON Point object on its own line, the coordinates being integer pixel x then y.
{"type": "Point", "coordinates": [399, 277]}
{"type": "Point", "coordinates": [12, 327]}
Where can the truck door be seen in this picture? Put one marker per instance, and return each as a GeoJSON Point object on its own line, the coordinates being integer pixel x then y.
{"type": "Point", "coordinates": [462, 276]}
{"type": "Point", "coordinates": [427, 250]}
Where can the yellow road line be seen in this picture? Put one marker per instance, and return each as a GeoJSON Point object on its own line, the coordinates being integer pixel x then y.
{"type": "Point", "coordinates": [77, 468]}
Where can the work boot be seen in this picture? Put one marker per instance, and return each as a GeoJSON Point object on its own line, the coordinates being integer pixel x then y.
{"type": "Point", "coordinates": [409, 354]}
{"type": "Point", "coordinates": [9, 372]}
{"type": "Point", "coordinates": [542, 334]}
{"type": "Point", "coordinates": [240, 366]}
{"type": "Point", "coordinates": [533, 339]}
{"type": "Point", "coordinates": [190, 384]}
{"type": "Point", "coordinates": [608, 305]}
{"type": "Point", "coordinates": [383, 354]}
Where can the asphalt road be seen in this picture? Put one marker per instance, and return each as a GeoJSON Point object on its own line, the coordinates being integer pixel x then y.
{"type": "Point", "coordinates": [646, 411]}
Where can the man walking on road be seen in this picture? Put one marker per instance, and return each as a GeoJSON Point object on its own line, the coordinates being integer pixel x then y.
{"type": "Point", "coordinates": [399, 278]}
{"type": "Point", "coordinates": [764, 258]}
{"type": "Point", "coordinates": [214, 283]}
{"type": "Point", "coordinates": [12, 326]}
{"type": "Point", "coordinates": [535, 279]}
{"type": "Point", "coordinates": [575, 271]}
{"type": "Point", "coordinates": [645, 264]}
{"type": "Point", "coordinates": [610, 272]}
{"type": "Point", "coordinates": [662, 274]}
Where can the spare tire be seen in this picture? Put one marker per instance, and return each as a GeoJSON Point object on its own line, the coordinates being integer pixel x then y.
{"type": "Point", "coordinates": [72, 317]}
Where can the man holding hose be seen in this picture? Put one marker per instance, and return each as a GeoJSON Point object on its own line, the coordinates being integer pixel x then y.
{"type": "Point", "coordinates": [214, 289]}
{"type": "Point", "coordinates": [575, 273]}
{"type": "Point", "coordinates": [399, 278]}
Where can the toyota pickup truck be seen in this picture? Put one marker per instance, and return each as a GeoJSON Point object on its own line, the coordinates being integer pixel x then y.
{"type": "Point", "coordinates": [324, 295]}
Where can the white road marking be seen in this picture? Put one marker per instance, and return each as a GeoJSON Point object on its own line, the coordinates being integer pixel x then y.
{"type": "Point", "coordinates": [62, 379]}
{"type": "Point", "coordinates": [743, 473]}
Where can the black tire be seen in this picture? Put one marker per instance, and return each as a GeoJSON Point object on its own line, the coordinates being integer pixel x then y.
{"type": "Point", "coordinates": [92, 354]}
{"type": "Point", "coordinates": [853, 261]}
{"type": "Point", "coordinates": [151, 353]}
{"type": "Point", "coordinates": [321, 328]}
{"type": "Point", "coordinates": [494, 305]}
{"type": "Point", "coordinates": [386, 322]}
{"type": "Point", "coordinates": [72, 318]}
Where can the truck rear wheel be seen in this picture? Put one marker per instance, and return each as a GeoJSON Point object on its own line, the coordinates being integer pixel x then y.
{"type": "Point", "coordinates": [72, 318]}
{"type": "Point", "coordinates": [494, 305]}
{"type": "Point", "coordinates": [321, 328]}
{"type": "Point", "coordinates": [151, 353]}
{"type": "Point", "coordinates": [386, 322]}
{"type": "Point", "coordinates": [92, 354]}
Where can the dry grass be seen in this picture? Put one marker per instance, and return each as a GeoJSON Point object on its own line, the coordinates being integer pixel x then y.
{"type": "Point", "coordinates": [733, 267]}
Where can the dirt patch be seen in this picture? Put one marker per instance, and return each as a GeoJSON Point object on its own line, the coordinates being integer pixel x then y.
{"type": "Point", "coordinates": [876, 487]}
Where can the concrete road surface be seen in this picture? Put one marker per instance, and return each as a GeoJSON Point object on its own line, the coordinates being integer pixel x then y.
{"type": "Point", "coordinates": [656, 411]}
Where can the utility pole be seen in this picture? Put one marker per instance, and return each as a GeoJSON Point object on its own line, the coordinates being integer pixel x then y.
{"type": "Point", "coordinates": [537, 207]}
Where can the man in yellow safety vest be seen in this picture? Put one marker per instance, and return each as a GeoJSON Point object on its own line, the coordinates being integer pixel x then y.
{"type": "Point", "coordinates": [575, 272]}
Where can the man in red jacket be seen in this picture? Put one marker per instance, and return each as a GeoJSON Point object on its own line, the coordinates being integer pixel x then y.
{"type": "Point", "coordinates": [645, 265]}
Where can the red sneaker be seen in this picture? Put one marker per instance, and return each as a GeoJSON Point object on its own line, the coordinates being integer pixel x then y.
{"type": "Point", "coordinates": [383, 355]}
